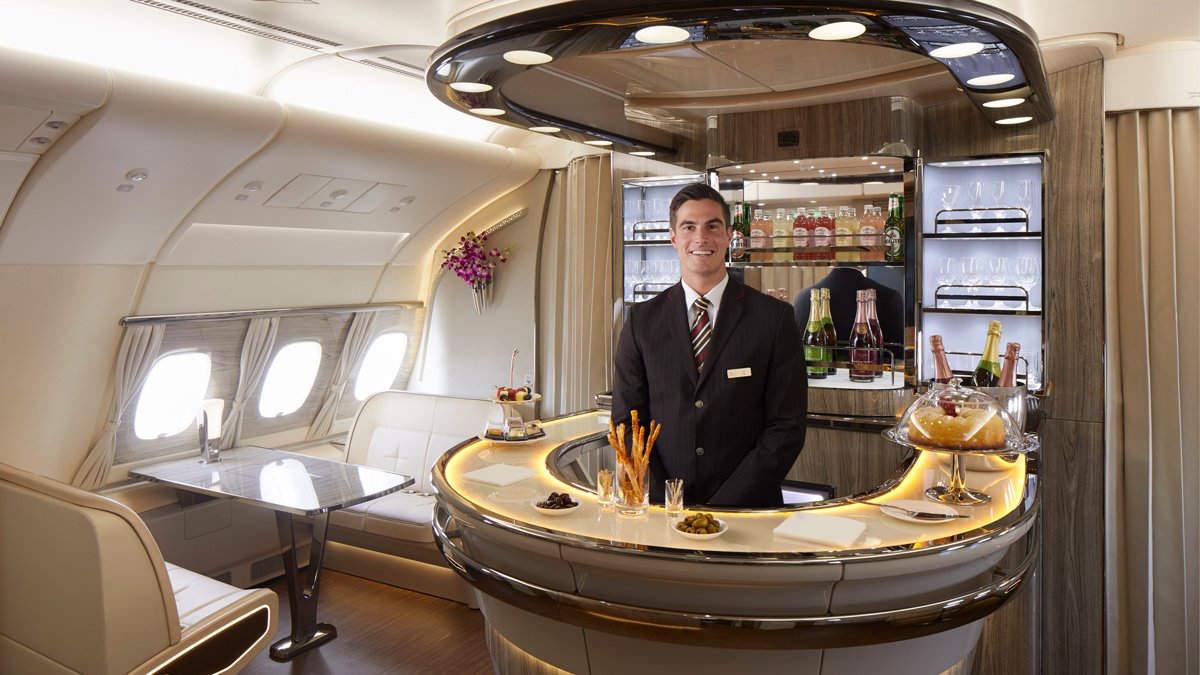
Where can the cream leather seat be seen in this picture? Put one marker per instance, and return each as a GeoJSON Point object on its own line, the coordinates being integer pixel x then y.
{"type": "Point", "coordinates": [84, 589]}
{"type": "Point", "coordinates": [407, 433]}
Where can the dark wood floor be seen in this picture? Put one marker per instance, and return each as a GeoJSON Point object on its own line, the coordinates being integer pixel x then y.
{"type": "Point", "coordinates": [383, 629]}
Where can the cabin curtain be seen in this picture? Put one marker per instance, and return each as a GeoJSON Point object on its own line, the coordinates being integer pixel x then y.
{"type": "Point", "coordinates": [574, 319]}
{"type": "Point", "coordinates": [139, 350]}
{"type": "Point", "coordinates": [353, 351]}
{"type": "Point", "coordinates": [1152, 407]}
{"type": "Point", "coordinates": [256, 349]}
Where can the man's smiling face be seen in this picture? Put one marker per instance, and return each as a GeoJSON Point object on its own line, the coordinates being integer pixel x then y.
{"type": "Point", "coordinates": [700, 236]}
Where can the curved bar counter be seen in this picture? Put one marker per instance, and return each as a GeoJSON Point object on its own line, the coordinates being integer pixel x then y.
{"type": "Point", "coordinates": [595, 592]}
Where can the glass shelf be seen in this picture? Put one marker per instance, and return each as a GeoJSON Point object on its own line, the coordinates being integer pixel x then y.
{"type": "Point", "coordinates": [982, 310]}
{"type": "Point", "coordinates": [812, 263]}
{"type": "Point", "coordinates": [982, 235]}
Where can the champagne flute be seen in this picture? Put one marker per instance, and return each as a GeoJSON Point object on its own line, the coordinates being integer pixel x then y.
{"type": "Point", "coordinates": [971, 277]}
{"type": "Point", "coordinates": [949, 196]}
{"type": "Point", "coordinates": [998, 201]}
{"type": "Point", "coordinates": [975, 194]}
{"type": "Point", "coordinates": [947, 275]}
{"type": "Point", "coordinates": [998, 274]}
{"type": "Point", "coordinates": [1025, 199]}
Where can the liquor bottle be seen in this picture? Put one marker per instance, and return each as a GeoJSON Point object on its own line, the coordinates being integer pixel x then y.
{"type": "Point", "coordinates": [893, 230]}
{"type": "Point", "coordinates": [941, 366]}
{"type": "Point", "coordinates": [873, 324]}
{"type": "Point", "coordinates": [738, 241]}
{"type": "Point", "coordinates": [800, 235]}
{"type": "Point", "coordinates": [1008, 372]}
{"type": "Point", "coordinates": [814, 337]}
{"type": "Point", "coordinates": [827, 326]}
{"type": "Point", "coordinates": [781, 228]}
{"type": "Point", "coordinates": [862, 343]}
{"type": "Point", "coordinates": [987, 373]}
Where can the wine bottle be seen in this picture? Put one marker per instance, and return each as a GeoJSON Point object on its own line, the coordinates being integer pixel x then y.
{"type": "Point", "coordinates": [814, 337]}
{"type": "Point", "coordinates": [987, 373]}
{"type": "Point", "coordinates": [893, 230]}
{"type": "Point", "coordinates": [827, 326]}
{"type": "Point", "coordinates": [1008, 372]}
{"type": "Point", "coordinates": [941, 366]}
{"type": "Point", "coordinates": [873, 324]}
{"type": "Point", "coordinates": [862, 344]}
{"type": "Point", "coordinates": [737, 242]}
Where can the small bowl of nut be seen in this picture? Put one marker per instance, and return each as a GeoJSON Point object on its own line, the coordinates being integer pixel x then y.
{"type": "Point", "coordinates": [557, 504]}
{"type": "Point", "coordinates": [701, 526]}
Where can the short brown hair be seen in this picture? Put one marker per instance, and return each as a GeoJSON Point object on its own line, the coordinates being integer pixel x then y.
{"type": "Point", "coordinates": [696, 192]}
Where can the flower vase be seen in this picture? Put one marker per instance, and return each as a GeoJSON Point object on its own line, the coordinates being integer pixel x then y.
{"type": "Point", "coordinates": [482, 295]}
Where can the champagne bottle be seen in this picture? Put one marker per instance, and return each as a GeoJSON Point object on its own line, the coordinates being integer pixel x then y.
{"type": "Point", "coordinates": [814, 337]}
{"type": "Point", "coordinates": [941, 366]}
{"type": "Point", "coordinates": [987, 373]}
{"type": "Point", "coordinates": [873, 324]}
{"type": "Point", "coordinates": [1008, 372]}
{"type": "Point", "coordinates": [893, 230]}
{"type": "Point", "coordinates": [862, 343]}
{"type": "Point", "coordinates": [827, 326]}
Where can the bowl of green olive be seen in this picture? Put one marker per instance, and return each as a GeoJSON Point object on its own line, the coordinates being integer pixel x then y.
{"type": "Point", "coordinates": [700, 526]}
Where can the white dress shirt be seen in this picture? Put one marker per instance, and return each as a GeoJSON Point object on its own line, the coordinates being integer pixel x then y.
{"type": "Point", "coordinates": [714, 296]}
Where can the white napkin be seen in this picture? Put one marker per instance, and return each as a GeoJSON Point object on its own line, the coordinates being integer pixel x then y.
{"type": "Point", "coordinates": [821, 529]}
{"type": "Point", "coordinates": [499, 475]}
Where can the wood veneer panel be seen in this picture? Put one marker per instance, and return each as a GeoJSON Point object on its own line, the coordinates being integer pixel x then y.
{"type": "Point", "coordinates": [851, 461]}
{"type": "Point", "coordinates": [872, 403]}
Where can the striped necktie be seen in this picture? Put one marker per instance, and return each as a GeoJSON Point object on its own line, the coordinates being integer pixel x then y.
{"type": "Point", "coordinates": [701, 330]}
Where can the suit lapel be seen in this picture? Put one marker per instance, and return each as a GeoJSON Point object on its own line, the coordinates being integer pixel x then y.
{"type": "Point", "coordinates": [728, 317]}
{"type": "Point", "coordinates": [677, 323]}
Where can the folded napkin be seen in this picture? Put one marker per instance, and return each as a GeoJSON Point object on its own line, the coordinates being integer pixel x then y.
{"type": "Point", "coordinates": [499, 475]}
{"type": "Point", "coordinates": [821, 529]}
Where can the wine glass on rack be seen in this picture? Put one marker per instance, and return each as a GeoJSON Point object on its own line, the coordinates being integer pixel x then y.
{"type": "Point", "coordinates": [975, 194]}
{"type": "Point", "coordinates": [947, 275]}
{"type": "Point", "coordinates": [998, 200]}
{"type": "Point", "coordinates": [998, 275]}
{"type": "Point", "coordinates": [949, 195]}
{"type": "Point", "coordinates": [1027, 274]}
{"type": "Point", "coordinates": [971, 276]}
{"type": "Point", "coordinates": [1025, 200]}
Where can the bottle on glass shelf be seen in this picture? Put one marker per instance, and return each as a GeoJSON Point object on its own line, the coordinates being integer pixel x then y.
{"type": "Point", "coordinates": [869, 228]}
{"type": "Point", "coordinates": [987, 373]}
{"type": "Point", "coordinates": [863, 349]}
{"type": "Point", "coordinates": [760, 232]}
{"type": "Point", "coordinates": [824, 231]}
{"type": "Point", "coordinates": [849, 227]}
{"type": "Point", "coordinates": [814, 337]}
{"type": "Point", "coordinates": [830, 332]}
{"type": "Point", "coordinates": [800, 234]}
{"type": "Point", "coordinates": [941, 366]}
{"type": "Point", "coordinates": [737, 241]}
{"type": "Point", "coordinates": [873, 324]}
{"type": "Point", "coordinates": [781, 229]}
{"type": "Point", "coordinates": [893, 230]}
{"type": "Point", "coordinates": [1008, 371]}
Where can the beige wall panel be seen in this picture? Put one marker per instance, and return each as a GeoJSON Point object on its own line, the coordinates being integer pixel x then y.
{"type": "Point", "coordinates": [399, 283]}
{"type": "Point", "coordinates": [58, 342]}
{"type": "Point", "coordinates": [178, 290]}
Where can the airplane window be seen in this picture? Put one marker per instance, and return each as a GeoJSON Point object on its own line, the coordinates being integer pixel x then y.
{"type": "Point", "coordinates": [290, 378]}
{"type": "Point", "coordinates": [171, 395]}
{"type": "Point", "coordinates": [381, 364]}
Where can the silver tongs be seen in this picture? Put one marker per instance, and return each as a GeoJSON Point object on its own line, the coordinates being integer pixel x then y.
{"type": "Point", "coordinates": [920, 515]}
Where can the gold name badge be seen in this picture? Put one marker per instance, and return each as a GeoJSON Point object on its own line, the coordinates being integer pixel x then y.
{"type": "Point", "coordinates": [737, 372]}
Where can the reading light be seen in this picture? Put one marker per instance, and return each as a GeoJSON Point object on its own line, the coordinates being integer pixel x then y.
{"type": "Point", "coordinates": [661, 35]}
{"type": "Point", "coordinates": [490, 112]}
{"type": "Point", "coordinates": [957, 50]}
{"type": "Point", "coordinates": [642, 153]}
{"type": "Point", "coordinates": [598, 143]}
{"type": "Point", "coordinates": [470, 87]}
{"type": "Point", "coordinates": [989, 80]}
{"type": "Point", "coordinates": [1003, 103]}
{"type": "Point", "coordinates": [545, 130]}
{"type": "Point", "coordinates": [1014, 120]}
{"type": "Point", "coordinates": [840, 30]}
{"type": "Point", "coordinates": [525, 57]}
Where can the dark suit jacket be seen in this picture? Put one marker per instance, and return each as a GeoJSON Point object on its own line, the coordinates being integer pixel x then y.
{"type": "Point", "coordinates": [731, 439]}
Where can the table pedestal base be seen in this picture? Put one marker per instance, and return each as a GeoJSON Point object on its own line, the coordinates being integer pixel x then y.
{"type": "Point", "coordinates": [289, 647]}
{"type": "Point", "coordinates": [302, 592]}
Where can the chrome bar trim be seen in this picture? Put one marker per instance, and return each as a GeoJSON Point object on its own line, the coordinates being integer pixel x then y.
{"type": "Point", "coordinates": [261, 313]}
{"type": "Point", "coordinates": [747, 632]}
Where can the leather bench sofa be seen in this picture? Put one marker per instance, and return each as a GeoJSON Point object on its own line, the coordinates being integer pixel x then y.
{"type": "Point", "coordinates": [84, 589]}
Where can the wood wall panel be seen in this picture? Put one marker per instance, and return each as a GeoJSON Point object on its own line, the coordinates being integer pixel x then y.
{"type": "Point", "coordinates": [850, 461]}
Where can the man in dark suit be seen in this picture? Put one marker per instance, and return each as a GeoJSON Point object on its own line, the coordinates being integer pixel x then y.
{"type": "Point", "coordinates": [719, 365]}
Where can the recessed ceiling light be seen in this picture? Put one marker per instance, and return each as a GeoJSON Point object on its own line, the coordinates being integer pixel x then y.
{"type": "Point", "coordinates": [490, 112]}
{"type": "Point", "coordinates": [753, 171]}
{"type": "Point", "coordinates": [873, 182]}
{"type": "Point", "coordinates": [874, 163]}
{"type": "Point", "coordinates": [642, 153]}
{"type": "Point", "coordinates": [661, 35]}
{"type": "Point", "coordinates": [524, 57]}
{"type": "Point", "coordinates": [820, 170]}
{"type": "Point", "coordinates": [864, 158]}
{"type": "Point", "coordinates": [955, 51]}
{"type": "Point", "coordinates": [545, 130]}
{"type": "Point", "coordinates": [470, 87]}
{"type": "Point", "coordinates": [809, 183]}
{"type": "Point", "coordinates": [833, 174]}
{"type": "Point", "coordinates": [761, 204]}
{"type": "Point", "coordinates": [812, 201]}
{"type": "Point", "coordinates": [737, 166]}
{"type": "Point", "coordinates": [1003, 103]}
{"type": "Point", "coordinates": [989, 80]}
{"type": "Point", "coordinates": [840, 30]}
{"type": "Point", "coordinates": [1014, 120]}
{"type": "Point", "coordinates": [891, 171]}
{"type": "Point", "coordinates": [599, 143]}
{"type": "Point", "coordinates": [775, 178]}
{"type": "Point", "coordinates": [795, 161]}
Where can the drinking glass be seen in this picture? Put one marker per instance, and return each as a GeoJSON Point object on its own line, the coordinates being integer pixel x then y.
{"type": "Point", "coordinates": [998, 201]}
{"type": "Point", "coordinates": [998, 275]}
{"type": "Point", "coordinates": [630, 496]}
{"type": "Point", "coordinates": [1026, 275]}
{"type": "Point", "coordinates": [1025, 199]}
{"type": "Point", "coordinates": [604, 487]}
{"type": "Point", "coordinates": [674, 501]}
{"type": "Point", "coordinates": [971, 276]}
{"type": "Point", "coordinates": [975, 194]}
{"type": "Point", "coordinates": [949, 196]}
{"type": "Point", "coordinates": [947, 275]}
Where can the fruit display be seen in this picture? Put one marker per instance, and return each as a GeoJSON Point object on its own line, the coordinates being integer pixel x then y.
{"type": "Point", "coordinates": [556, 501]}
{"type": "Point", "coordinates": [699, 523]}
{"type": "Point", "coordinates": [513, 394]}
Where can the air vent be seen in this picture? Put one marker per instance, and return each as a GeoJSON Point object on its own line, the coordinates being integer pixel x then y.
{"type": "Point", "coordinates": [406, 69]}
{"type": "Point", "coordinates": [245, 24]}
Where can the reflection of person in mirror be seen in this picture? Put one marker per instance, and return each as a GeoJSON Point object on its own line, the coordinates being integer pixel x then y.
{"type": "Point", "coordinates": [843, 283]}
{"type": "Point", "coordinates": [719, 365]}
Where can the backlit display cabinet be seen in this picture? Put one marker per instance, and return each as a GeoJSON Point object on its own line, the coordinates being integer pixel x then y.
{"type": "Point", "coordinates": [650, 262]}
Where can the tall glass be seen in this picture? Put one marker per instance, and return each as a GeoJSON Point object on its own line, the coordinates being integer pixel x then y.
{"type": "Point", "coordinates": [631, 496]}
{"type": "Point", "coordinates": [674, 500]}
{"type": "Point", "coordinates": [604, 488]}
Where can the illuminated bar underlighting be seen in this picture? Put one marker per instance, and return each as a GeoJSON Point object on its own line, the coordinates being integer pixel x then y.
{"type": "Point", "coordinates": [490, 112]}
{"type": "Point", "coordinates": [661, 35]}
{"type": "Point", "coordinates": [989, 80]}
{"type": "Point", "coordinates": [957, 50]}
{"type": "Point", "coordinates": [1014, 120]}
{"type": "Point", "coordinates": [470, 87]}
{"type": "Point", "coordinates": [545, 130]}
{"type": "Point", "coordinates": [1003, 103]}
{"type": "Point", "coordinates": [524, 57]}
{"type": "Point", "coordinates": [841, 30]}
